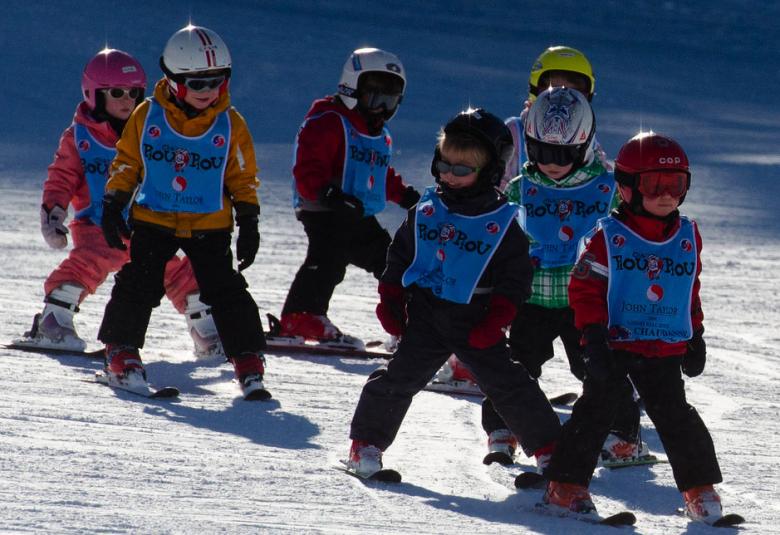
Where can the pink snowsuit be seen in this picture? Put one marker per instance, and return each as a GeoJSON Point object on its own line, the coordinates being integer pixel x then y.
{"type": "Point", "coordinates": [91, 259]}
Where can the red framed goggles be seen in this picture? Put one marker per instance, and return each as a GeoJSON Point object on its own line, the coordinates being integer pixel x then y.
{"type": "Point", "coordinates": [657, 183]}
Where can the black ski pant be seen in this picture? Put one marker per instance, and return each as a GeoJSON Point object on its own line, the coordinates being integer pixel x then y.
{"type": "Point", "coordinates": [138, 288]}
{"type": "Point", "coordinates": [435, 330]}
{"type": "Point", "coordinates": [335, 241]}
{"type": "Point", "coordinates": [531, 338]}
{"type": "Point", "coordinates": [659, 382]}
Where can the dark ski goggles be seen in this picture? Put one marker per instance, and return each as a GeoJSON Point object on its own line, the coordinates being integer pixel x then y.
{"type": "Point", "coordinates": [458, 170]}
{"type": "Point", "coordinates": [376, 100]}
{"type": "Point", "coordinates": [117, 93]}
{"type": "Point", "coordinates": [656, 183]}
{"type": "Point", "coordinates": [201, 85]}
{"type": "Point", "coordinates": [540, 152]}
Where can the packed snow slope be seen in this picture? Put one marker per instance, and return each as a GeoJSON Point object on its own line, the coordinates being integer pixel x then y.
{"type": "Point", "coordinates": [77, 457]}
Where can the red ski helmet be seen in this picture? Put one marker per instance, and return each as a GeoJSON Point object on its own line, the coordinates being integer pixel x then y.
{"type": "Point", "coordinates": [645, 152]}
{"type": "Point", "coordinates": [110, 68]}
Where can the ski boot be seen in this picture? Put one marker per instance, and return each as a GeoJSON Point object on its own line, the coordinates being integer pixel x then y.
{"type": "Point", "coordinates": [617, 452]}
{"type": "Point", "coordinates": [249, 368]}
{"type": "Point", "coordinates": [502, 445]}
{"type": "Point", "coordinates": [53, 328]}
{"type": "Point", "coordinates": [703, 504]}
{"type": "Point", "coordinates": [124, 366]}
{"type": "Point", "coordinates": [200, 324]}
{"type": "Point", "coordinates": [306, 326]}
{"type": "Point", "coordinates": [454, 378]}
{"type": "Point", "coordinates": [364, 459]}
{"type": "Point", "coordinates": [568, 498]}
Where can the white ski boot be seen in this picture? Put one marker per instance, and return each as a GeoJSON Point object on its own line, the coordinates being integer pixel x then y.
{"type": "Point", "coordinates": [200, 324]}
{"type": "Point", "coordinates": [618, 452]}
{"type": "Point", "coordinates": [299, 327]}
{"type": "Point", "coordinates": [364, 459]}
{"type": "Point", "coordinates": [53, 328]}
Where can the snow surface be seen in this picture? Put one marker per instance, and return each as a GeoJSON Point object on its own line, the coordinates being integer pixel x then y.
{"type": "Point", "coordinates": [77, 457]}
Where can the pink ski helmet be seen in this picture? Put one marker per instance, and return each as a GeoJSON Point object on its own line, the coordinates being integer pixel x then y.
{"type": "Point", "coordinates": [110, 68]}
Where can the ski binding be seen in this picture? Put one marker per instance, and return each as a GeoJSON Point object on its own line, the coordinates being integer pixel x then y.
{"type": "Point", "coordinates": [137, 386]}
{"type": "Point", "coordinates": [386, 475]}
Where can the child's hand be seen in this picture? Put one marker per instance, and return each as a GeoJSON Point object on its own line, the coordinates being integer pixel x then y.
{"type": "Point", "coordinates": [113, 223]}
{"type": "Point", "coordinates": [391, 310]}
{"type": "Point", "coordinates": [53, 226]}
{"type": "Point", "coordinates": [338, 201]}
{"type": "Point", "coordinates": [696, 356]}
{"type": "Point", "coordinates": [596, 354]}
{"type": "Point", "coordinates": [492, 329]}
{"type": "Point", "coordinates": [248, 240]}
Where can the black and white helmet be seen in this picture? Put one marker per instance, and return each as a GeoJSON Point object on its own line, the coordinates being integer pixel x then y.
{"type": "Point", "coordinates": [370, 60]}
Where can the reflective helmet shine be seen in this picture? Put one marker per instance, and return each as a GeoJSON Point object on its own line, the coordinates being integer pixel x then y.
{"type": "Point", "coordinates": [647, 152]}
{"type": "Point", "coordinates": [560, 128]}
{"type": "Point", "coordinates": [560, 58]}
{"type": "Point", "coordinates": [370, 60]}
{"type": "Point", "coordinates": [110, 68]}
{"type": "Point", "coordinates": [489, 131]}
{"type": "Point", "coordinates": [192, 52]}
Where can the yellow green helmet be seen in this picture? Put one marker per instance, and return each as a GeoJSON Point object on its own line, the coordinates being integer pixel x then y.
{"type": "Point", "coordinates": [560, 58]}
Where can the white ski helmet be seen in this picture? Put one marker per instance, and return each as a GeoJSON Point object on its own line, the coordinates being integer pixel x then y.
{"type": "Point", "coordinates": [365, 60]}
{"type": "Point", "coordinates": [560, 128]}
{"type": "Point", "coordinates": [194, 51]}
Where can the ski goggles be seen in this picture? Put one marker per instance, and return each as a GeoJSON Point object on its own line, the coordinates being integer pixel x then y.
{"type": "Point", "coordinates": [375, 100]}
{"type": "Point", "coordinates": [201, 85]}
{"type": "Point", "coordinates": [656, 183]}
{"type": "Point", "coordinates": [543, 153]}
{"type": "Point", "coordinates": [457, 170]}
{"type": "Point", "coordinates": [117, 92]}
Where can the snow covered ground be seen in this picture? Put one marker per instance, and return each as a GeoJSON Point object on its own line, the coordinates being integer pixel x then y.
{"type": "Point", "coordinates": [76, 457]}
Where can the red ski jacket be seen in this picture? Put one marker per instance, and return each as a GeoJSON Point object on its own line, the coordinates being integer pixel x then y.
{"type": "Point", "coordinates": [589, 281]}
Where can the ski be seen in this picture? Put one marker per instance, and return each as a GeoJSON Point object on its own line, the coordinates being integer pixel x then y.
{"type": "Point", "coordinates": [143, 389]}
{"type": "Point", "coordinates": [386, 475]}
{"type": "Point", "coordinates": [255, 391]}
{"type": "Point", "coordinates": [725, 521]}
{"type": "Point", "coordinates": [623, 518]}
{"type": "Point", "coordinates": [455, 387]}
{"type": "Point", "coordinates": [530, 480]}
{"type": "Point", "coordinates": [564, 399]}
{"type": "Point", "coordinates": [276, 347]}
{"type": "Point", "coordinates": [498, 457]}
{"type": "Point", "coordinates": [640, 461]}
{"type": "Point", "coordinates": [97, 354]}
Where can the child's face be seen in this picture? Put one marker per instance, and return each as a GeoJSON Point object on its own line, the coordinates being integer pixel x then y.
{"type": "Point", "coordinates": [200, 100]}
{"type": "Point", "coordinates": [555, 171]}
{"type": "Point", "coordinates": [121, 107]}
{"type": "Point", "coordinates": [660, 206]}
{"type": "Point", "coordinates": [459, 158]}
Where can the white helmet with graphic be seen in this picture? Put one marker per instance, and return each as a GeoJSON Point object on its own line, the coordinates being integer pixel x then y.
{"type": "Point", "coordinates": [370, 60]}
{"type": "Point", "coordinates": [560, 128]}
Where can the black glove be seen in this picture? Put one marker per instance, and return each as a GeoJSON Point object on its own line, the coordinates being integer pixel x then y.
{"type": "Point", "coordinates": [248, 240]}
{"type": "Point", "coordinates": [338, 201]}
{"type": "Point", "coordinates": [113, 222]}
{"type": "Point", "coordinates": [596, 353]}
{"type": "Point", "coordinates": [695, 356]}
{"type": "Point", "coordinates": [409, 198]}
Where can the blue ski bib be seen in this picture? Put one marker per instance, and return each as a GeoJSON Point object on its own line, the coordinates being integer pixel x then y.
{"type": "Point", "coordinates": [453, 250]}
{"type": "Point", "coordinates": [96, 161]}
{"type": "Point", "coordinates": [366, 159]}
{"type": "Point", "coordinates": [183, 174]}
{"type": "Point", "coordinates": [650, 283]}
{"type": "Point", "coordinates": [556, 218]}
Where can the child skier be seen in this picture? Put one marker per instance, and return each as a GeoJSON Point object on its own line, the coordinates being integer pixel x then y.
{"type": "Point", "coordinates": [192, 156]}
{"type": "Point", "coordinates": [635, 295]}
{"type": "Point", "coordinates": [112, 84]}
{"type": "Point", "coordinates": [557, 66]}
{"type": "Point", "coordinates": [343, 179]}
{"type": "Point", "coordinates": [458, 268]}
{"type": "Point", "coordinates": [564, 188]}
